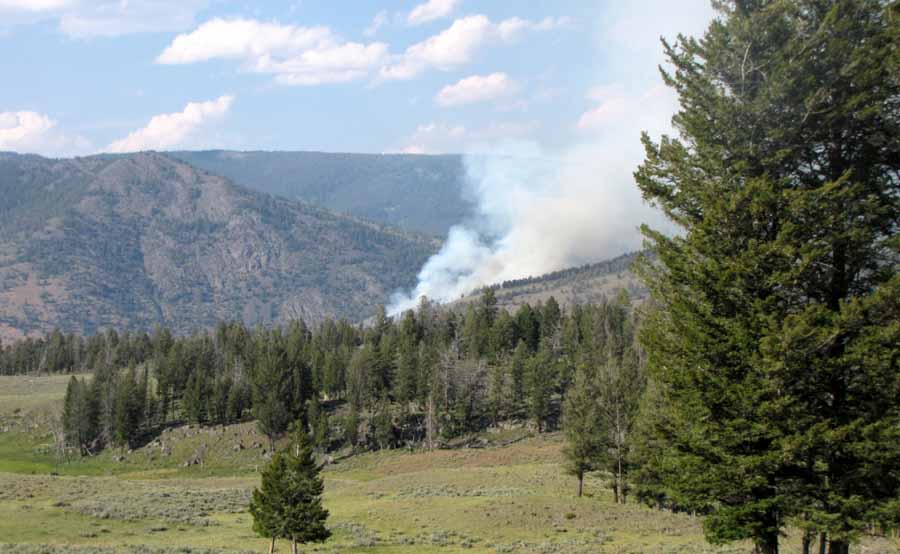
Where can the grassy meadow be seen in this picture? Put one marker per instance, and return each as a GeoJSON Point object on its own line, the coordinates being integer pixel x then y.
{"type": "Point", "coordinates": [187, 491]}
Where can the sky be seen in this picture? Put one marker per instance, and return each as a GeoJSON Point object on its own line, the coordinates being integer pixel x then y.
{"type": "Point", "coordinates": [417, 76]}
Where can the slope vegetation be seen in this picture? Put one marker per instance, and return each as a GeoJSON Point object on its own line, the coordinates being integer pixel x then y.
{"type": "Point", "coordinates": [587, 284]}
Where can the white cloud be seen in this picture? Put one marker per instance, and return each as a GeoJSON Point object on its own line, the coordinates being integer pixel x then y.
{"type": "Point", "coordinates": [514, 26]}
{"type": "Point", "coordinates": [34, 5]}
{"type": "Point", "coordinates": [91, 18]}
{"type": "Point", "coordinates": [17, 128]}
{"type": "Point", "coordinates": [435, 138]}
{"type": "Point", "coordinates": [295, 55]}
{"type": "Point", "coordinates": [173, 129]}
{"type": "Point", "coordinates": [33, 132]}
{"type": "Point", "coordinates": [477, 88]}
{"type": "Point", "coordinates": [380, 20]}
{"type": "Point", "coordinates": [457, 45]}
{"type": "Point", "coordinates": [442, 138]}
{"type": "Point", "coordinates": [431, 10]}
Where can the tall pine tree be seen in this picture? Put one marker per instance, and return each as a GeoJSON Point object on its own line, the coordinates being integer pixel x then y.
{"type": "Point", "coordinates": [776, 345]}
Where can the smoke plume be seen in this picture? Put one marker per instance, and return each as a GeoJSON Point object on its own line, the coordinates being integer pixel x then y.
{"type": "Point", "coordinates": [539, 211]}
{"type": "Point", "coordinates": [535, 214]}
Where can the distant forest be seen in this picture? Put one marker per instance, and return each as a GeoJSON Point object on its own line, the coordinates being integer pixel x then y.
{"type": "Point", "coordinates": [426, 377]}
{"type": "Point", "coordinates": [615, 265]}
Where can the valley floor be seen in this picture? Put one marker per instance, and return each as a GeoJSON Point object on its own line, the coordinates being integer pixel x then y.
{"type": "Point", "coordinates": [500, 499]}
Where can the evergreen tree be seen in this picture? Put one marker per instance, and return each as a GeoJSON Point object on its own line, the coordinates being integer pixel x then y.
{"type": "Point", "coordinates": [776, 342]}
{"type": "Point", "coordinates": [271, 387]}
{"type": "Point", "coordinates": [517, 378]}
{"type": "Point", "coordinates": [195, 398]}
{"type": "Point", "coordinates": [127, 411]}
{"type": "Point", "coordinates": [219, 404]}
{"type": "Point", "coordinates": [303, 514]}
{"type": "Point", "coordinates": [288, 504]}
{"type": "Point", "coordinates": [405, 382]}
{"type": "Point", "coordinates": [581, 426]}
{"type": "Point", "coordinates": [498, 391]}
{"type": "Point", "coordinates": [268, 500]}
{"type": "Point", "coordinates": [528, 327]}
{"type": "Point", "coordinates": [619, 386]}
{"type": "Point", "coordinates": [540, 372]}
{"type": "Point", "coordinates": [79, 415]}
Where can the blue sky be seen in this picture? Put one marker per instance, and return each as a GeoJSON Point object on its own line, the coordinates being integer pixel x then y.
{"type": "Point", "coordinates": [427, 76]}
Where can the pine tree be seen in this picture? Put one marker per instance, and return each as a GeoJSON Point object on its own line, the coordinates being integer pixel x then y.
{"type": "Point", "coordinates": [539, 371]}
{"type": "Point", "coordinates": [288, 504]}
{"type": "Point", "coordinates": [776, 345]}
{"type": "Point", "coordinates": [195, 398]}
{"type": "Point", "coordinates": [517, 376]}
{"type": "Point", "coordinates": [271, 387]}
{"type": "Point", "coordinates": [619, 386]}
{"type": "Point", "coordinates": [268, 500]}
{"type": "Point", "coordinates": [127, 411]}
{"type": "Point", "coordinates": [581, 426]}
{"type": "Point", "coordinates": [498, 391]}
{"type": "Point", "coordinates": [304, 516]}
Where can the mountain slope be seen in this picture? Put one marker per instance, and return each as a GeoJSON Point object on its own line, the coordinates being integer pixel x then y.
{"type": "Point", "coordinates": [418, 193]}
{"type": "Point", "coordinates": [578, 285]}
{"type": "Point", "coordinates": [132, 241]}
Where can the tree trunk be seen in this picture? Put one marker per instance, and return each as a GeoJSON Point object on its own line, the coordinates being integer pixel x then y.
{"type": "Point", "coordinates": [619, 487]}
{"type": "Point", "coordinates": [580, 483]}
{"type": "Point", "coordinates": [838, 547]}
{"type": "Point", "coordinates": [807, 541]}
{"type": "Point", "coordinates": [823, 542]}
{"type": "Point", "coordinates": [615, 489]}
{"type": "Point", "coordinates": [272, 546]}
{"type": "Point", "coordinates": [767, 544]}
{"type": "Point", "coordinates": [293, 546]}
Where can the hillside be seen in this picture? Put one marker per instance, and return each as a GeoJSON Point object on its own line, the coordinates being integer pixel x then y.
{"type": "Point", "coordinates": [511, 495]}
{"type": "Point", "coordinates": [418, 193]}
{"type": "Point", "coordinates": [578, 285]}
{"type": "Point", "coordinates": [138, 240]}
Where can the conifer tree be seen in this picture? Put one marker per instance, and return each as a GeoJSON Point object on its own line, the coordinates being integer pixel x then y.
{"type": "Point", "coordinates": [268, 500]}
{"type": "Point", "coordinates": [540, 380]}
{"type": "Point", "coordinates": [288, 503]}
{"type": "Point", "coordinates": [517, 378]}
{"type": "Point", "coordinates": [776, 345]}
{"type": "Point", "coordinates": [581, 426]}
{"type": "Point", "coordinates": [271, 387]}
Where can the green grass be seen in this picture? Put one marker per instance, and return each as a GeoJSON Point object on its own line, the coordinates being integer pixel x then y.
{"type": "Point", "coordinates": [511, 499]}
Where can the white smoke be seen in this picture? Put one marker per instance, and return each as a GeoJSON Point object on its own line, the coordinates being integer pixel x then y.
{"type": "Point", "coordinates": [536, 214]}
{"type": "Point", "coordinates": [538, 211]}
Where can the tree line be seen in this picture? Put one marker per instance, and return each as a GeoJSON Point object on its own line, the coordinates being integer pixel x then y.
{"type": "Point", "coordinates": [427, 376]}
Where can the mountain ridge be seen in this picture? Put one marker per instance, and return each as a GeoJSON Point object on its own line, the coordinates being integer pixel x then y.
{"type": "Point", "coordinates": [420, 193]}
{"type": "Point", "coordinates": [141, 239]}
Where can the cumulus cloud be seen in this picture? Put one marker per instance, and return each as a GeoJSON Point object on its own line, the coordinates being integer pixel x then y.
{"type": "Point", "coordinates": [431, 10]}
{"type": "Point", "coordinates": [457, 45]}
{"type": "Point", "coordinates": [477, 88]}
{"type": "Point", "coordinates": [173, 129]}
{"type": "Point", "coordinates": [296, 55]}
{"type": "Point", "coordinates": [92, 18]}
{"type": "Point", "coordinates": [33, 132]}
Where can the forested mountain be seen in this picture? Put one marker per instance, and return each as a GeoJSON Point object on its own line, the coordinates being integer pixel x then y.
{"type": "Point", "coordinates": [418, 193]}
{"type": "Point", "coordinates": [138, 240]}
